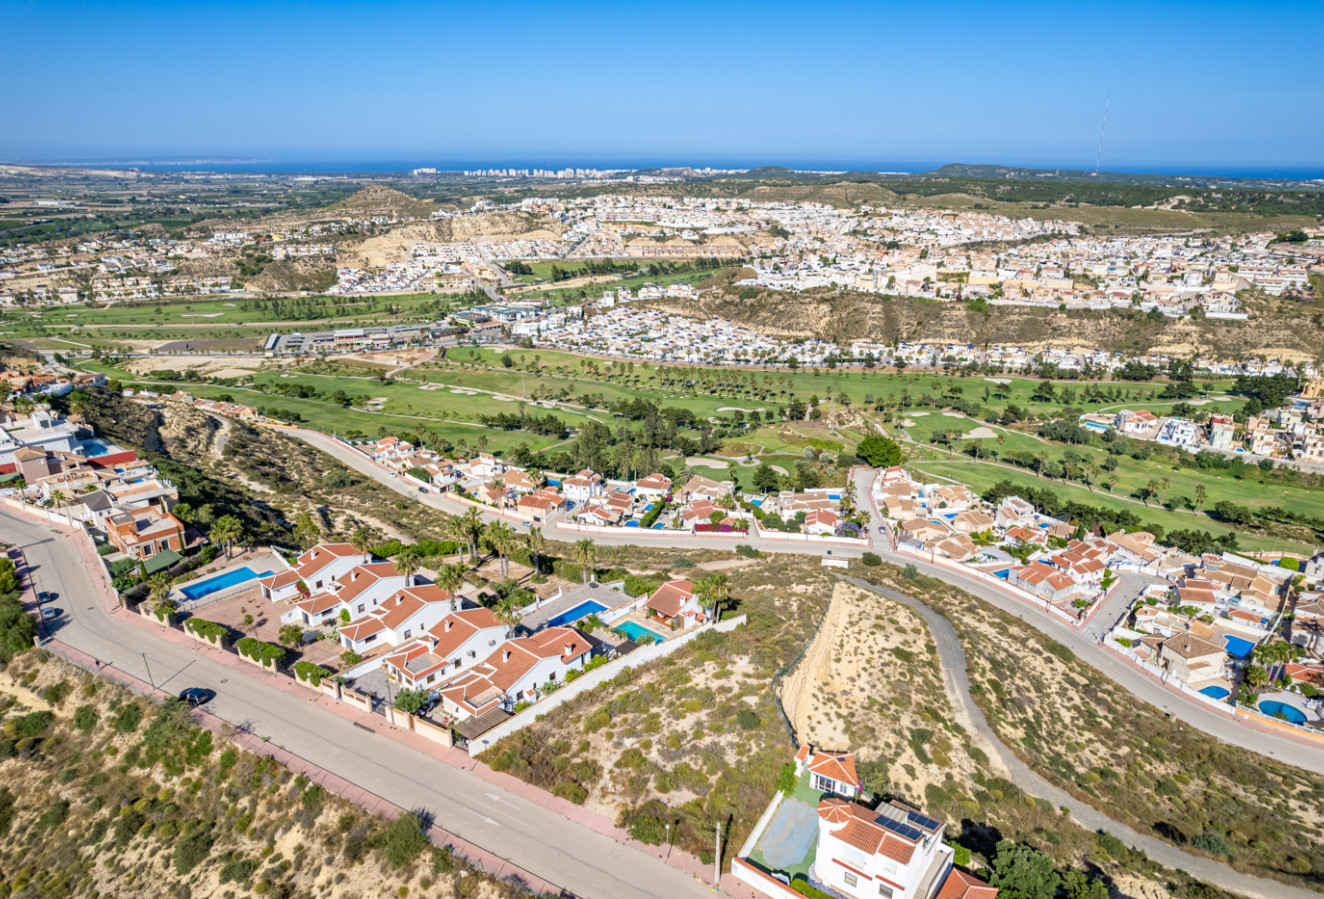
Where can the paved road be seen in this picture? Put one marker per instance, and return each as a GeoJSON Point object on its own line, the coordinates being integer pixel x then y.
{"type": "Point", "coordinates": [631, 537]}
{"type": "Point", "coordinates": [1086, 647]}
{"type": "Point", "coordinates": [541, 841]}
{"type": "Point", "coordinates": [952, 656]}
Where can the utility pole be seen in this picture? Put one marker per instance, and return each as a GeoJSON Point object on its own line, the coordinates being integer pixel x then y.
{"type": "Point", "coordinates": [717, 859]}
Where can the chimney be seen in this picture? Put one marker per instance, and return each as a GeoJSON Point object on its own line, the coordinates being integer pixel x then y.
{"type": "Point", "coordinates": [449, 624]}
{"type": "Point", "coordinates": [505, 656]}
{"type": "Point", "coordinates": [569, 648]}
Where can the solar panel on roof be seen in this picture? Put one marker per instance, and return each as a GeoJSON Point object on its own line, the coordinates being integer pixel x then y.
{"type": "Point", "coordinates": [924, 821]}
{"type": "Point", "coordinates": [903, 830]}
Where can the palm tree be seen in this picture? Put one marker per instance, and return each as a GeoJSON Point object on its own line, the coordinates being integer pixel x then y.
{"type": "Point", "coordinates": [361, 539]}
{"type": "Point", "coordinates": [453, 528]}
{"type": "Point", "coordinates": [407, 562]}
{"type": "Point", "coordinates": [507, 611]}
{"type": "Point", "coordinates": [451, 578]}
{"type": "Point", "coordinates": [715, 589]}
{"type": "Point", "coordinates": [584, 555]}
{"type": "Point", "coordinates": [501, 537]}
{"type": "Point", "coordinates": [536, 543]}
{"type": "Point", "coordinates": [225, 531]}
{"type": "Point", "coordinates": [473, 528]}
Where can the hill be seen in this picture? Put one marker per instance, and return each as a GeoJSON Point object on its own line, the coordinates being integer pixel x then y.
{"type": "Point", "coordinates": [380, 200]}
{"type": "Point", "coordinates": [103, 794]}
{"type": "Point", "coordinates": [1278, 328]}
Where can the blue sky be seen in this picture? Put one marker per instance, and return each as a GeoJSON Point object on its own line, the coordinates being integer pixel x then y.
{"type": "Point", "coordinates": [1194, 87]}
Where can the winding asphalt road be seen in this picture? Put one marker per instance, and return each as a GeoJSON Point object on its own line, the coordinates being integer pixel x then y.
{"type": "Point", "coordinates": [1085, 645]}
{"type": "Point", "coordinates": [543, 842]}
{"type": "Point", "coordinates": [952, 656]}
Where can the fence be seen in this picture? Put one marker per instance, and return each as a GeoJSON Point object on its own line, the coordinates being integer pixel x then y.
{"type": "Point", "coordinates": [640, 656]}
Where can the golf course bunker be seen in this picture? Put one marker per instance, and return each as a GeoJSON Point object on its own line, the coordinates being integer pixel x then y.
{"type": "Point", "coordinates": [953, 415]}
{"type": "Point", "coordinates": [982, 434]}
{"type": "Point", "coordinates": [739, 409]}
{"type": "Point", "coordinates": [464, 392]}
{"type": "Point", "coordinates": [704, 462]}
{"type": "Point", "coordinates": [918, 414]}
{"type": "Point", "coordinates": [998, 380]}
{"type": "Point", "coordinates": [201, 314]}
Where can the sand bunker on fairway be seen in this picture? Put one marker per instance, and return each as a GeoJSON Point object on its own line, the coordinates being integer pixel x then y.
{"type": "Point", "coordinates": [953, 415]}
{"type": "Point", "coordinates": [982, 434]}
{"type": "Point", "coordinates": [998, 380]}
{"type": "Point", "coordinates": [464, 392]}
{"type": "Point", "coordinates": [918, 414]}
{"type": "Point", "coordinates": [201, 314]}
{"type": "Point", "coordinates": [705, 462]}
{"type": "Point", "coordinates": [738, 409]}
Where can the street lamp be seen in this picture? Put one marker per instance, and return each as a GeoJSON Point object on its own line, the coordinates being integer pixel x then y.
{"type": "Point", "coordinates": [667, 857]}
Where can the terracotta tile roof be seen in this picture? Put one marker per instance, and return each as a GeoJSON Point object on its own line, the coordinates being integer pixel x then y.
{"type": "Point", "coordinates": [668, 599]}
{"type": "Point", "coordinates": [838, 766]}
{"type": "Point", "coordinates": [960, 885]}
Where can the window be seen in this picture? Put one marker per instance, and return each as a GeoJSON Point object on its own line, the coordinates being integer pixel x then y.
{"type": "Point", "coordinates": [360, 607]}
{"type": "Point", "coordinates": [407, 634]}
{"type": "Point", "coordinates": [885, 891]}
{"type": "Point", "coordinates": [850, 879]}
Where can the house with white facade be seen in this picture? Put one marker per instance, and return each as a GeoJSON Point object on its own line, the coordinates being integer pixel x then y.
{"type": "Point", "coordinates": [400, 617]}
{"type": "Point", "coordinates": [893, 852]}
{"type": "Point", "coordinates": [513, 673]}
{"type": "Point", "coordinates": [317, 569]}
{"type": "Point", "coordinates": [461, 640]}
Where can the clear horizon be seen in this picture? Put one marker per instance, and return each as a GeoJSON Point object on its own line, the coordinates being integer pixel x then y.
{"type": "Point", "coordinates": [848, 86]}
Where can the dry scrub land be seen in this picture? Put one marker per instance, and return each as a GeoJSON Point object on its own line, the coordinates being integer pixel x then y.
{"type": "Point", "coordinates": [104, 795]}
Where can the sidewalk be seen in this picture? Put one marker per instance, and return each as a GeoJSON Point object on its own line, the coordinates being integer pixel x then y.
{"type": "Point", "coordinates": [455, 758]}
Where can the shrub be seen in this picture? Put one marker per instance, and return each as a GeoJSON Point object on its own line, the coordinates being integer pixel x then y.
{"type": "Point", "coordinates": [1210, 841]}
{"type": "Point", "coordinates": [910, 572]}
{"type": "Point", "coordinates": [266, 653]}
{"type": "Point", "coordinates": [402, 840]}
{"type": "Point", "coordinates": [649, 830]}
{"type": "Point", "coordinates": [748, 719]}
{"type": "Point", "coordinates": [682, 562]}
{"type": "Point", "coordinates": [1061, 652]}
{"type": "Point", "coordinates": [801, 886]}
{"type": "Point", "coordinates": [747, 551]}
{"type": "Point", "coordinates": [191, 852]}
{"type": "Point", "coordinates": [349, 658]}
{"type": "Point", "coordinates": [127, 718]}
{"type": "Point", "coordinates": [55, 694]}
{"type": "Point", "coordinates": [33, 724]}
{"type": "Point", "coordinates": [208, 630]}
{"type": "Point", "coordinates": [570, 791]}
{"type": "Point", "coordinates": [786, 779]}
{"type": "Point", "coordinates": [239, 871]}
{"type": "Point", "coordinates": [85, 718]}
{"type": "Point", "coordinates": [960, 856]}
{"type": "Point", "coordinates": [310, 672]}
{"type": "Point", "coordinates": [873, 560]}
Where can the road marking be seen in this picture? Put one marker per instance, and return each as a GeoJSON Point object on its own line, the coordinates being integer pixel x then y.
{"type": "Point", "coordinates": [486, 820]}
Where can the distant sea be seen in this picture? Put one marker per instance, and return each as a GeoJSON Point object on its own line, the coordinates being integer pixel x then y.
{"type": "Point", "coordinates": [330, 166]}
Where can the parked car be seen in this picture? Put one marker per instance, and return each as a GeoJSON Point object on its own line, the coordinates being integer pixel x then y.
{"type": "Point", "coordinates": [49, 614]}
{"type": "Point", "coordinates": [196, 696]}
{"type": "Point", "coordinates": [44, 597]}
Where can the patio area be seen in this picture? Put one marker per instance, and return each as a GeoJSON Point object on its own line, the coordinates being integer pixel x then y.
{"type": "Point", "coordinates": [788, 844]}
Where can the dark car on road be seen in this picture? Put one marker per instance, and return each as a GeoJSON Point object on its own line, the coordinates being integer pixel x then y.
{"type": "Point", "coordinates": [196, 696]}
{"type": "Point", "coordinates": [49, 614]}
{"type": "Point", "coordinates": [44, 597]}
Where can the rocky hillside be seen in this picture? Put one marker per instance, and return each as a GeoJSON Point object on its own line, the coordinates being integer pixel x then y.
{"type": "Point", "coordinates": [104, 795]}
{"type": "Point", "coordinates": [1285, 328]}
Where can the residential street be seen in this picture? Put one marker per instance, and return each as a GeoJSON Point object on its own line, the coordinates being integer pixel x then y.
{"type": "Point", "coordinates": [955, 675]}
{"type": "Point", "coordinates": [564, 852]}
{"type": "Point", "coordinates": [630, 537]}
{"type": "Point", "coordinates": [1088, 649]}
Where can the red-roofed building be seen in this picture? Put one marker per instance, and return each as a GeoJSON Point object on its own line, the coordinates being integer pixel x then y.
{"type": "Point", "coordinates": [675, 600]}
{"type": "Point", "coordinates": [317, 568]}
{"type": "Point", "coordinates": [461, 640]}
{"type": "Point", "coordinates": [401, 617]}
{"type": "Point", "coordinates": [830, 772]}
{"type": "Point", "coordinates": [514, 672]}
{"type": "Point", "coordinates": [893, 851]}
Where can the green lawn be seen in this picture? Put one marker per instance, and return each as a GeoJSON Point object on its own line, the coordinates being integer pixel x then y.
{"type": "Point", "coordinates": [981, 477]}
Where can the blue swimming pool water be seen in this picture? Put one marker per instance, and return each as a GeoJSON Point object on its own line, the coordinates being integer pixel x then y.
{"type": "Point", "coordinates": [583, 610]}
{"type": "Point", "coordinates": [1237, 646]}
{"type": "Point", "coordinates": [632, 524]}
{"type": "Point", "coordinates": [635, 632]}
{"type": "Point", "coordinates": [1003, 573]}
{"type": "Point", "coordinates": [1216, 692]}
{"type": "Point", "coordinates": [94, 448]}
{"type": "Point", "coordinates": [220, 582]}
{"type": "Point", "coordinates": [1290, 712]}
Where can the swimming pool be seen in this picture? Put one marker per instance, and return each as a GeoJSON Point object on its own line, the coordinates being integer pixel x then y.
{"type": "Point", "coordinates": [220, 582]}
{"type": "Point", "coordinates": [583, 610]}
{"type": "Point", "coordinates": [1289, 712]}
{"type": "Point", "coordinates": [1216, 692]}
{"type": "Point", "coordinates": [636, 632]}
{"type": "Point", "coordinates": [1237, 646]}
